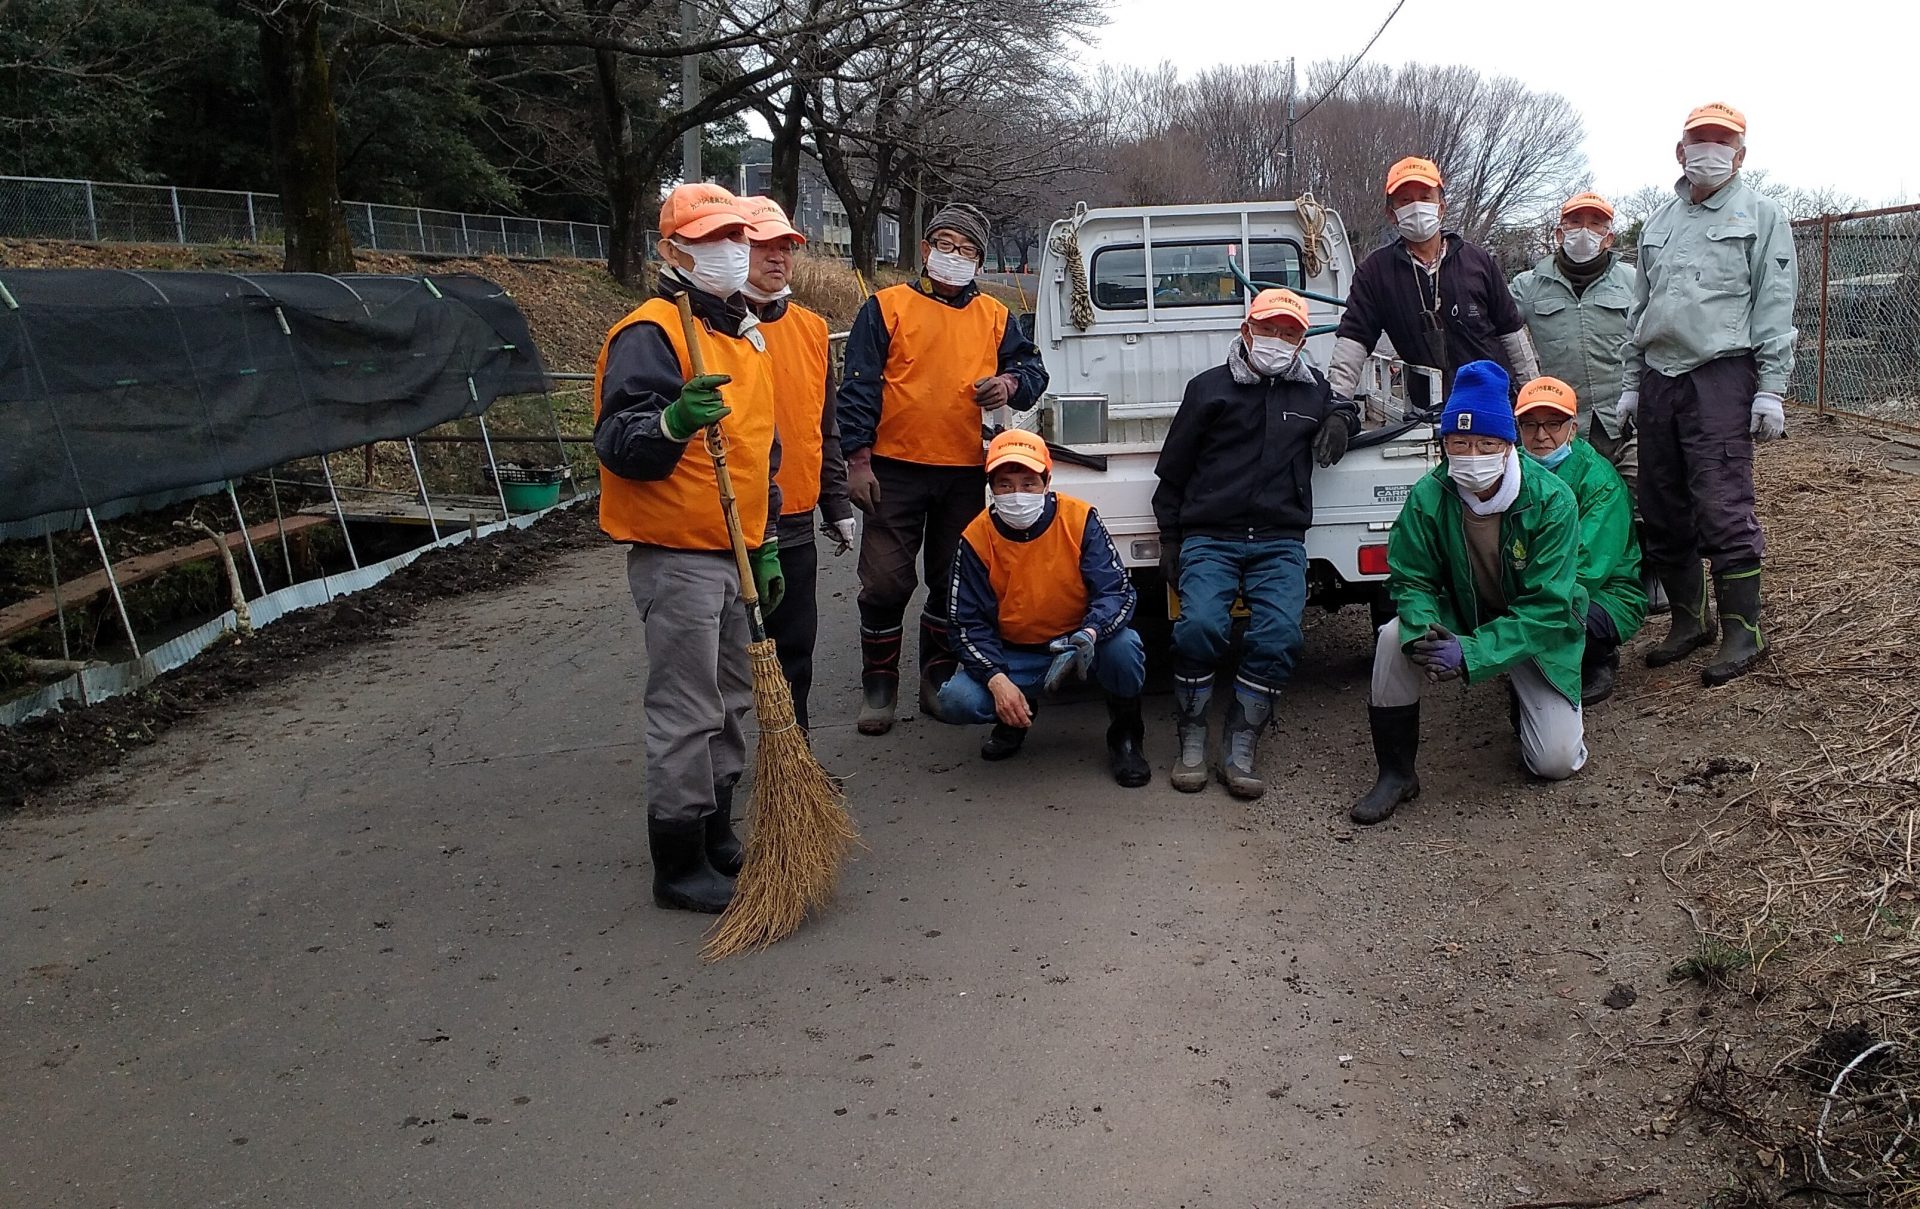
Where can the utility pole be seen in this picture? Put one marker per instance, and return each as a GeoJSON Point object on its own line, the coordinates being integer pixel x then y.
{"type": "Point", "coordinates": [1290, 91]}
{"type": "Point", "coordinates": [690, 91]}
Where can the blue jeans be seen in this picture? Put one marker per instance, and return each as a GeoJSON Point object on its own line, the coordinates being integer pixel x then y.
{"type": "Point", "coordinates": [1271, 577]}
{"type": "Point", "coordinates": [1119, 666]}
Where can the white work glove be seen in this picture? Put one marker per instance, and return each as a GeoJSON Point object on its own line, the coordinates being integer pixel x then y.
{"type": "Point", "coordinates": [840, 533]}
{"type": "Point", "coordinates": [1769, 417]}
{"type": "Point", "coordinates": [1627, 410]}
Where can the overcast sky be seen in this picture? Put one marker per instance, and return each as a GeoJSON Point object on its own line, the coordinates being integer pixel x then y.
{"type": "Point", "coordinates": [1827, 87]}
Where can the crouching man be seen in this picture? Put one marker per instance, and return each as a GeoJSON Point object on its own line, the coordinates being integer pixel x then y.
{"type": "Point", "coordinates": [1547, 415]}
{"type": "Point", "coordinates": [1483, 565]}
{"type": "Point", "coordinates": [1039, 594]}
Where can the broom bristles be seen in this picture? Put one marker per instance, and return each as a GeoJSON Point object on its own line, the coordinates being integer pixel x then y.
{"type": "Point", "coordinates": [798, 828]}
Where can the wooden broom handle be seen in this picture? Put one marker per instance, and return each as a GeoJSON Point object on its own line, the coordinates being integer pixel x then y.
{"type": "Point", "coordinates": [717, 450]}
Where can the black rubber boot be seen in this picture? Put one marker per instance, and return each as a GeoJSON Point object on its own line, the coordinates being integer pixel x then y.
{"type": "Point", "coordinates": [879, 679]}
{"type": "Point", "coordinates": [1240, 746]}
{"type": "Point", "coordinates": [724, 850]}
{"type": "Point", "coordinates": [1003, 742]}
{"type": "Point", "coordinates": [1191, 696]}
{"type": "Point", "coordinates": [683, 878]}
{"type": "Point", "coordinates": [1742, 645]}
{"type": "Point", "coordinates": [1126, 736]}
{"type": "Point", "coordinates": [1599, 668]}
{"type": "Point", "coordinates": [1657, 602]}
{"type": "Point", "coordinates": [937, 662]}
{"type": "Point", "coordinates": [1690, 628]}
{"type": "Point", "coordinates": [1396, 741]}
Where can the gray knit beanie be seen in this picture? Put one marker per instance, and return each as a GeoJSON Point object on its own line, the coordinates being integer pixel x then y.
{"type": "Point", "coordinates": [962, 219]}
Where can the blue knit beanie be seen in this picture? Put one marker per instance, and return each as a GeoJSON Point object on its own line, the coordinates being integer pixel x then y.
{"type": "Point", "coordinates": [1479, 403]}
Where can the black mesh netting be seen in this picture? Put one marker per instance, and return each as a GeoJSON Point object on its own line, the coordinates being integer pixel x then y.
{"type": "Point", "coordinates": [118, 384]}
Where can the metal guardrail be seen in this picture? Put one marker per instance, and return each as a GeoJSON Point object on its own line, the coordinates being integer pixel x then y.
{"type": "Point", "coordinates": [98, 211]}
{"type": "Point", "coordinates": [1859, 348]}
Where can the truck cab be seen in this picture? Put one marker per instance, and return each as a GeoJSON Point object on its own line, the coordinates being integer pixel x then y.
{"type": "Point", "coordinates": [1133, 302]}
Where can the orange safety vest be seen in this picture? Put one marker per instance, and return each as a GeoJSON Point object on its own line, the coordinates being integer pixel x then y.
{"type": "Point", "coordinates": [682, 511]}
{"type": "Point", "coordinates": [935, 354]}
{"type": "Point", "coordinates": [1038, 583]}
{"type": "Point", "coordinates": [797, 348]}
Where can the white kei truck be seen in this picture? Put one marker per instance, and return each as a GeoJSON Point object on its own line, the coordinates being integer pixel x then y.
{"type": "Point", "coordinates": [1131, 303]}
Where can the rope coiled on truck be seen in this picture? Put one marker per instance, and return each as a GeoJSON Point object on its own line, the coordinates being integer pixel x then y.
{"type": "Point", "coordinates": [1066, 244]}
{"type": "Point", "coordinates": [1313, 226]}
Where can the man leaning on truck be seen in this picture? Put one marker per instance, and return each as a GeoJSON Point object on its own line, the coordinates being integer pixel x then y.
{"type": "Point", "coordinates": [1441, 300]}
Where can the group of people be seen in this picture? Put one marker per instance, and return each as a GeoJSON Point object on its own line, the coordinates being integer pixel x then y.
{"type": "Point", "coordinates": [1595, 416]}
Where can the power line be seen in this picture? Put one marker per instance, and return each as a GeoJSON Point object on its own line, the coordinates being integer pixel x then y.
{"type": "Point", "coordinates": [1400, 4]}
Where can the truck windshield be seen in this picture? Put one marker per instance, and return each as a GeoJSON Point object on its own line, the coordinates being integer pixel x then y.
{"type": "Point", "coordinates": [1187, 274]}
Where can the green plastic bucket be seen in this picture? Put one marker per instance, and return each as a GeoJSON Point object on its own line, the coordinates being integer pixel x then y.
{"type": "Point", "coordinates": [530, 497]}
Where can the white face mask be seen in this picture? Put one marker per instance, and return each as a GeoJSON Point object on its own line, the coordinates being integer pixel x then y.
{"type": "Point", "coordinates": [1708, 165]}
{"type": "Point", "coordinates": [1476, 471]}
{"type": "Point", "coordinates": [951, 268]}
{"type": "Point", "coordinates": [719, 266]}
{"type": "Point", "coordinates": [1580, 244]}
{"type": "Point", "coordinates": [1418, 221]}
{"type": "Point", "coordinates": [1270, 355]}
{"type": "Point", "coordinates": [1020, 509]}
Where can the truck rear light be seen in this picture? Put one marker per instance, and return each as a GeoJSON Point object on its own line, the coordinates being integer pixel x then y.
{"type": "Point", "coordinates": [1373, 560]}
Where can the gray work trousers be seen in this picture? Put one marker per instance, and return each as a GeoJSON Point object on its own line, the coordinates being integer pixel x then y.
{"type": "Point", "coordinates": [1552, 729]}
{"type": "Point", "coordinates": [1696, 468]}
{"type": "Point", "coordinates": [699, 682]}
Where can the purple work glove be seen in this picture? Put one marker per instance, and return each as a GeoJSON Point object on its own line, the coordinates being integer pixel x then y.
{"type": "Point", "coordinates": [1439, 653]}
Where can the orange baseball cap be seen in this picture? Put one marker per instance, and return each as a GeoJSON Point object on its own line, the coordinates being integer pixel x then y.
{"type": "Point", "coordinates": [1415, 170]}
{"type": "Point", "coordinates": [1022, 448]}
{"type": "Point", "coordinates": [698, 210]}
{"type": "Point", "coordinates": [1587, 201]}
{"type": "Point", "coordinates": [1550, 393]}
{"type": "Point", "coordinates": [766, 220]}
{"type": "Point", "coordinates": [1717, 113]}
{"type": "Point", "coordinates": [1279, 304]}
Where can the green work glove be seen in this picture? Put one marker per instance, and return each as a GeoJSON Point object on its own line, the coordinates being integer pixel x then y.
{"type": "Point", "coordinates": [699, 405]}
{"type": "Point", "coordinates": [768, 579]}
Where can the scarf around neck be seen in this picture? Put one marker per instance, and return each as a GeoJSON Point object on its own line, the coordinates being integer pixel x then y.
{"type": "Point", "coordinates": [1243, 372]}
{"type": "Point", "coordinates": [1502, 499]}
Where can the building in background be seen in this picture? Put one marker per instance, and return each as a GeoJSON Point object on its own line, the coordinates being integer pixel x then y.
{"type": "Point", "coordinates": [819, 213]}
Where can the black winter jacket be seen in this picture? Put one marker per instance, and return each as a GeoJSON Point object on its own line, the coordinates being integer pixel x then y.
{"type": "Point", "coordinates": [1238, 460]}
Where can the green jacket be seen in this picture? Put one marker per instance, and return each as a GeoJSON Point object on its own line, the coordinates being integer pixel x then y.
{"type": "Point", "coordinates": [1609, 552]}
{"type": "Point", "coordinates": [1432, 581]}
{"type": "Point", "coordinates": [1581, 338]}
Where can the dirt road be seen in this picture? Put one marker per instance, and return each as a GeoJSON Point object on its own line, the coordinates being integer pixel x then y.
{"type": "Point", "coordinates": [380, 935]}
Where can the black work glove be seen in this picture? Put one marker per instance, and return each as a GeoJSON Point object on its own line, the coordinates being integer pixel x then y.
{"type": "Point", "coordinates": [1170, 559]}
{"type": "Point", "coordinates": [1330, 442]}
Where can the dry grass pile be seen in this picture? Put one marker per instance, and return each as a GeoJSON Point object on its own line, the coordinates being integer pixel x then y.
{"type": "Point", "coordinates": [1808, 868]}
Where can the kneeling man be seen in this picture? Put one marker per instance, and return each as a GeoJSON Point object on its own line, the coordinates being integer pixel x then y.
{"type": "Point", "coordinates": [1483, 564]}
{"type": "Point", "coordinates": [1038, 594]}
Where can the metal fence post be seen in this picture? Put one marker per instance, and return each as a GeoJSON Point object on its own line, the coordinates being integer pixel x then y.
{"type": "Point", "coordinates": [420, 226]}
{"type": "Point", "coordinates": [93, 217]}
{"type": "Point", "coordinates": [179, 223]}
{"type": "Point", "coordinates": [339, 513]}
{"type": "Point", "coordinates": [113, 581]}
{"type": "Point", "coordinates": [573, 240]}
{"type": "Point", "coordinates": [1820, 369]}
{"type": "Point", "coordinates": [59, 605]}
{"type": "Point", "coordinates": [253, 226]}
{"type": "Point", "coordinates": [246, 538]}
{"type": "Point", "coordinates": [466, 241]}
{"type": "Point", "coordinates": [421, 479]}
{"type": "Point", "coordinates": [494, 466]}
{"type": "Point", "coordinates": [373, 239]}
{"type": "Point", "coordinates": [504, 251]}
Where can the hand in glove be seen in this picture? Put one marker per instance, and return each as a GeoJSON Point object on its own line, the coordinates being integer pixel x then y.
{"type": "Point", "coordinates": [840, 533]}
{"type": "Point", "coordinates": [768, 579]}
{"type": "Point", "coordinates": [699, 405]}
{"type": "Point", "coordinates": [1769, 417]}
{"type": "Point", "coordinates": [1073, 654]}
{"type": "Point", "coordinates": [862, 488]}
{"type": "Point", "coordinates": [1627, 410]}
{"type": "Point", "coordinates": [1170, 559]}
{"type": "Point", "coordinates": [993, 392]}
{"type": "Point", "coordinates": [1439, 653]}
{"type": "Point", "coordinates": [1330, 443]}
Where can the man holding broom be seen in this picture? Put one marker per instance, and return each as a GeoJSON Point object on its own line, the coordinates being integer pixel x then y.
{"type": "Point", "coordinates": [924, 362]}
{"type": "Point", "coordinates": [659, 493]}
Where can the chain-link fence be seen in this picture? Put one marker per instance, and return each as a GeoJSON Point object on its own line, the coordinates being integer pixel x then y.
{"type": "Point", "coordinates": [1859, 349]}
{"type": "Point", "coordinates": [95, 211]}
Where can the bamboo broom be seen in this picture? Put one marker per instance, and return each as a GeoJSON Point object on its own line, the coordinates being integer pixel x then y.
{"type": "Point", "coordinates": [798, 828]}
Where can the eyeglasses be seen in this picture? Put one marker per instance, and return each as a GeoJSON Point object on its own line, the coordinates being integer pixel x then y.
{"type": "Point", "coordinates": [1464, 445]}
{"type": "Point", "coordinates": [1540, 426]}
{"type": "Point", "coordinates": [954, 247]}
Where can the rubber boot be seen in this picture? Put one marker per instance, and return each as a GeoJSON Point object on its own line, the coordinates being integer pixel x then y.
{"type": "Point", "coordinates": [937, 662]}
{"type": "Point", "coordinates": [683, 878]}
{"type": "Point", "coordinates": [1191, 696]}
{"type": "Point", "coordinates": [1742, 645]}
{"type": "Point", "coordinates": [1657, 602]}
{"type": "Point", "coordinates": [1690, 628]}
{"type": "Point", "coordinates": [1126, 736]}
{"type": "Point", "coordinates": [879, 679]}
{"type": "Point", "coordinates": [1599, 668]}
{"type": "Point", "coordinates": [1003, 741]}
{"type": "Point", "coordinates": [1396, 741]}
{"type": "Point", "coordinates": [1240, 744]}
{"type": "Point", "coordinates": [724, 850]}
